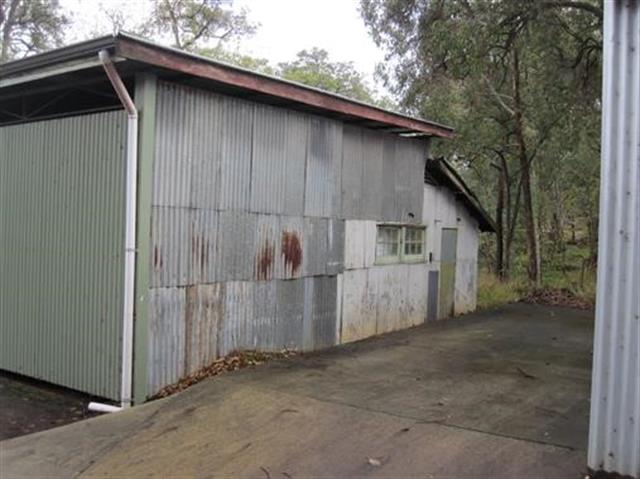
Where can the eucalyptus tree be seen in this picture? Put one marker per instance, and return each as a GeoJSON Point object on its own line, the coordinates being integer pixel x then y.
{"type": "Point", "coordinates": [507, 74]}
{"type": "Point", "coordinates": [29, 26]}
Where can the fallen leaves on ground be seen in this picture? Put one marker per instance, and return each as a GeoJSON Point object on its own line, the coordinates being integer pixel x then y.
{"type": "Point", "coordinates": [557, 297]}
{"type": "Point", "coordinates": [232, 362]}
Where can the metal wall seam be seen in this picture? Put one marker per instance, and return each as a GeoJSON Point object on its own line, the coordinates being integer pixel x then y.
{"type": "Point", "coordinates": [62, 242]}
{"type": "Point", "coordinates": [614, 439]}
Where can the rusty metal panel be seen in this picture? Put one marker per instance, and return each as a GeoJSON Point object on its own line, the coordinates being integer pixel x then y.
{"type": "Point", "coordinates": [170, 246]}
{"type": "Point", "coordinates": [235, 325]}
{"type": "Point", "coordinates": [335, 246]}
{"type": "Point", "coordinates": [166, 363]}
{"type": "Point", "coordinates": [202, 246]}
{"type": "Point", "coordinates": [235, 162]}
{"type": "Point", "coordinates": [61, 250]}
{"type": "Point", "coordinates": [268, 171]}
{"type": "Point", "coordinates": [203, 312]}
{"type": "Point", "coordinates": [292, 248]}
{"type": "Point", "coordinates": [372, 177]}
{"type": "Point", "coordinates": [324, 157]}
{"type": "Point", "coordinates": [614, 439]}
{"type": "Point", "coordinates": [267, 247]}
{"type": "Point", "coordinates": [352, 168]}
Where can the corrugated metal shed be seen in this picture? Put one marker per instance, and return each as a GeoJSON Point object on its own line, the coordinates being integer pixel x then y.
{"type": "Point", "coordinates": [614, 440]}
{"type": "Point", "coordinates": [139, 53]}
{"type": "Point", "coordinates": [61, 260]}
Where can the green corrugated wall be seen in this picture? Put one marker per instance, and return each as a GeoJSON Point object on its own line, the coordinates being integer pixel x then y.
{"type": "Point", "coordinates": [61, 248]}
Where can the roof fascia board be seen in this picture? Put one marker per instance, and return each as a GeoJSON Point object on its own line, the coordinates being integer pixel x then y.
{"type": "Point", "coordinates": [178, 61]}
{"type": "Point", "coordinates": [59, 69]}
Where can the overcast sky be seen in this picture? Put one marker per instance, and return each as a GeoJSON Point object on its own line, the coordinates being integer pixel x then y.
{"type": "Point", "coordinates": [287, 26]}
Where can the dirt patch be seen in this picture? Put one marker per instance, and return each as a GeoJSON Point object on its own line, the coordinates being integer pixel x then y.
{"type": "Point", "coordinates": [28, 406]}
{"type": "Point", "coordinates": [232, 362]}
{"type": "Point", "coordinates": [557, 297]}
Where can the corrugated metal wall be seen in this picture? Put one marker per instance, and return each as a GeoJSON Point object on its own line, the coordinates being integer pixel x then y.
{"type": "Point", "coordinates": [614, 441]}
{"type": "Point", "coordinates": [61, 245]}
{"type": "Point", "coordinates": [248, 225]}
{"type": "Point", "coordinates": [442, 210]}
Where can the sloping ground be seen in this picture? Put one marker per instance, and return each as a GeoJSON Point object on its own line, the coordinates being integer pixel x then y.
{"type": "Point", "coordinates": [500, 394]}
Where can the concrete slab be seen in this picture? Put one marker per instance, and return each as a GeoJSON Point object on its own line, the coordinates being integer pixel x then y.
{"type": "Point", "coordinates": [501, 394]}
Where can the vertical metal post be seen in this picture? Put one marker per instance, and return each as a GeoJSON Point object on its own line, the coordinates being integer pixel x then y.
{"type": "Point", "coordinates": [614, 438]}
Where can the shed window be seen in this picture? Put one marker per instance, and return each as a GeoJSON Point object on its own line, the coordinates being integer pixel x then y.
{"type": "Point", "coordinates": [413, 244]}
{"type": "Point", "coordinates": [399, 244]}
{"type": "Point", "coordinates": [388, 244]}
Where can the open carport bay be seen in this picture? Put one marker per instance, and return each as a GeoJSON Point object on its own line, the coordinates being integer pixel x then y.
{"type": "Point", "coordinates": [496, 394]}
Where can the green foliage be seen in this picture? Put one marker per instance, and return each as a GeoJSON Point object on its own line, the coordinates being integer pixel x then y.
{"type": "Point", "coordinates": [195, 23]}
{"type": "Point", "coordinates": [260, 65]}
{"type": "Point", "coordinates": [29, 26]}
{"type": "Point", "coordinates": [454, 61]}
{"type": "Point", "coordinates": [313, 67]}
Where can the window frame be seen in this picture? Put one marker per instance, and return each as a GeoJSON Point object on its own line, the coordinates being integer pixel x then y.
{"type": "Point", "coordinates": [389, 259]}
{"type": "Point", "coordinates": [401, 256]}
{"type": "Point", "coordinates": [414, 258]}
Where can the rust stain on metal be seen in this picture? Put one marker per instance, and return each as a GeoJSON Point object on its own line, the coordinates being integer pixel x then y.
{"type": "Point", "coordinates": [157, 257]}
{"type": "Point", "coordinates": [192, 295]}
{"type": "Point", "coordinates": [204, 254]}
{"type": "Point", "coordinates": [265, 260]}
{"type": "Point", "coordinates": [292, 251]}
{"type": "Point", "coordinates": [199, 251]}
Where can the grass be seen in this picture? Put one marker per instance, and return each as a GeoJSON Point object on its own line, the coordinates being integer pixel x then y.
{"type": "Point", "coordinates": [493, 293]}
{"type": "Point", "coordinates": [561, 277]}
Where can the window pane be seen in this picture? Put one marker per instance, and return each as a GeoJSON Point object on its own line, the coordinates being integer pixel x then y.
{"type": "Point", "coordinates": [413, 241]}
{"type": "Point", "coordinates": [388, 242]}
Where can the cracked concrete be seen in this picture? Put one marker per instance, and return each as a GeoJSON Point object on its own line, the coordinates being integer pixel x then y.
{"type": "Point", "coordinates": [497, 394]}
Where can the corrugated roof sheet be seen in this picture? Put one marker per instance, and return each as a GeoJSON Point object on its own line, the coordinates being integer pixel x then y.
{"type": "Point", "coordinates": [142, 54]}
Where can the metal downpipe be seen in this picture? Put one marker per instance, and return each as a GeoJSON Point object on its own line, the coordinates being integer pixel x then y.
{"type": "Point", "coordinates": [130, 236]}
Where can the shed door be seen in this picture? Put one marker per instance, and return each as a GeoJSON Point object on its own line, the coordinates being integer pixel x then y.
{"type": "Point", "coordinates": [61, 247]}
{"type": "Point", "coordinates": [448, 271]}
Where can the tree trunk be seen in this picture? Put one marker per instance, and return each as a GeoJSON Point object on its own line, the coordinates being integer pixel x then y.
{"type": "Point", "coordinates": [500, 227]}
{"type": "Point", "coordinates": [533, 252]}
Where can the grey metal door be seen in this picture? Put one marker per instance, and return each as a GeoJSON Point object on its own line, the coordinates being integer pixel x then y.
{"type": "Point", "coordinates": [448, 249]}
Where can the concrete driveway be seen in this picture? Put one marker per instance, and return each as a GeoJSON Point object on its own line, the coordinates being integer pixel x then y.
{"type": "Point", "coordinates": [501, 394]}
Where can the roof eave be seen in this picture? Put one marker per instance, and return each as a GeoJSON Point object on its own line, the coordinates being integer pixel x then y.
{"type": "Point", "coordinates": [184, 62]}
{"type": "Point", "coordinates": [142, 51]}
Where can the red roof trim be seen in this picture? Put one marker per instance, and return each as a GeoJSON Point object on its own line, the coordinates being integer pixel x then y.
{"type": "Point", "coordinates": [174, 60]}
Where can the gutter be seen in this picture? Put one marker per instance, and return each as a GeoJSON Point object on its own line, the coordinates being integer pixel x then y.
{"type": "Point", "coordinates": [129, 236]}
